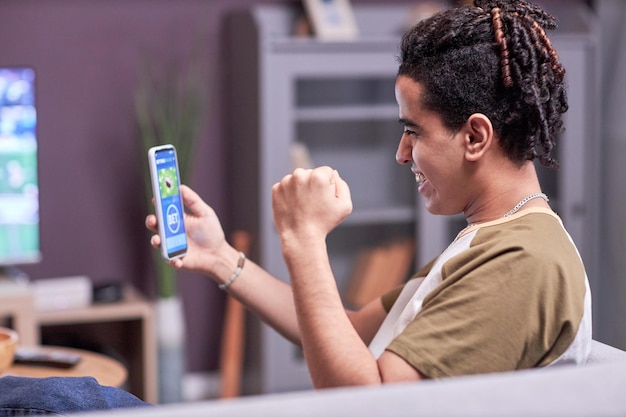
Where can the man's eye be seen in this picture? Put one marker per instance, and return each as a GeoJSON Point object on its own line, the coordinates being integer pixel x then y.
{"type": "Point", "coordinates": [410, 132]}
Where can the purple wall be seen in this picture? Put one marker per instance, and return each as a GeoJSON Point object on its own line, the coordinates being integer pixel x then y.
{"type": "Point", "coordinates": [86, 54]}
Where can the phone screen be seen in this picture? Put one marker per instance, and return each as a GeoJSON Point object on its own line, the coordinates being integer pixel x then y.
{"type": "Point", "coordinates": [170, 202]}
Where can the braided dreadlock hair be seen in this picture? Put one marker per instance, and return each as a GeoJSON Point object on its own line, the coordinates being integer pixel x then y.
{"type": "Point", "coordinates": [492, 58]}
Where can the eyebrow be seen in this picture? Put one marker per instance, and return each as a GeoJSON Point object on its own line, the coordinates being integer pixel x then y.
{"type": "Point", "coordinates": [408, 123]}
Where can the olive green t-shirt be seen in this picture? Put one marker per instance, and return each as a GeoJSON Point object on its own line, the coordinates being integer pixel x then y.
{"type": "Point", "coordinates": [505, 295]}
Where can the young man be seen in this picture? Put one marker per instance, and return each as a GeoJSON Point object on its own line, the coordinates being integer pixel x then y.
{"type": "Point", "coordinates": [480, 93]}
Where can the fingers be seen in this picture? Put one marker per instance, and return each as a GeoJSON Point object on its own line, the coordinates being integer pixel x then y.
{"type": "Point", "coordinates": [155, 241]}
{"type": "Point", "coordinates": [177, 263]}
{"type": "Point", "coordinates": [151, 222]}
{"type": "Point", "coordinates": [307, 184]}
{"type": "Point", "coordinates": [323, 174]}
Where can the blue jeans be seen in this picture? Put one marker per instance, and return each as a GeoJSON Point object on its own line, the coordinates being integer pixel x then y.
{"type": "Point", "coordinates": [60, 396]}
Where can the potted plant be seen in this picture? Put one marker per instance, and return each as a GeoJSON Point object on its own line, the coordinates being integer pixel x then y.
{"type": "Point", "coordinates": [171, 104]}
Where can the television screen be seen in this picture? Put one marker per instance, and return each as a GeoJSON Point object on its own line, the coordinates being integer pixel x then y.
{"type": "Point", "coordinates": [19, 189]}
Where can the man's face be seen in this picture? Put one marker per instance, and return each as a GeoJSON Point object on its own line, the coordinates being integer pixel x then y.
{"type": "Point", "coordinates": [435, 153]}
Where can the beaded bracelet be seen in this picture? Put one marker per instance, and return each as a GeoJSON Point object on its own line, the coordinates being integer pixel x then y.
{"type": "Point", "coordinates": [233, 277]}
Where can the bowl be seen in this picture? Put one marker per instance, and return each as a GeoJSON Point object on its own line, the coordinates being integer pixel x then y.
{"type": "Point", "coordinates": [8, 342]}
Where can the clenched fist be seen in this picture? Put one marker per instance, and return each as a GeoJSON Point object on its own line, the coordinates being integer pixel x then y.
{"type": "Point", "coordinates": [310, 203]}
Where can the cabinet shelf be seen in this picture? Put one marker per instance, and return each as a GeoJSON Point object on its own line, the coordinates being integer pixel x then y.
{"type": "Point", "coordinates": [390, 215]}
{"type": "Point", "coordinates": [287, 45]}
{"type": "Point", "coordinates": [337, 113]}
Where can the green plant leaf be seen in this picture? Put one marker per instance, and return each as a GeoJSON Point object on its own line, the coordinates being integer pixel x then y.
{"type": "Point", "coordinates": [171, 102]}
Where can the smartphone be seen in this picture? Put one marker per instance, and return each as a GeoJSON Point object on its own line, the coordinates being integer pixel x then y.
{"type": "Point", "coordinates": [52, 358]}
{"type": "Point", "coordinates": [168, 202]}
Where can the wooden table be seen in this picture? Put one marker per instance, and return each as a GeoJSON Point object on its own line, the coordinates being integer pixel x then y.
{"type": "Point", "coordinates": [105, 370]}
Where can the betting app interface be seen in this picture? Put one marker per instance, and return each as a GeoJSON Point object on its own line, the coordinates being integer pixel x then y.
{"type": "Point", "coordinates": [170, 200]}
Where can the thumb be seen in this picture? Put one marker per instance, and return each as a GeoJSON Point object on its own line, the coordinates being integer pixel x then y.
{"type": "Point", "coordinates": [192, 201]}
{"type": "Point", "coordinates": [342, 191]}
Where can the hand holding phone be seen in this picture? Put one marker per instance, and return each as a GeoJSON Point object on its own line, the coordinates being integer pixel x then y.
{"type": "Point", "coordinates": [168, 201]}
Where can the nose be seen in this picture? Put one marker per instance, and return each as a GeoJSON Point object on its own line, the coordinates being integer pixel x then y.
{"type": "Point", "coordinates": [404, 153]}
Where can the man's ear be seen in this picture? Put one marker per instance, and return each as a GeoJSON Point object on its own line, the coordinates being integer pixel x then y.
{"type": "Point", "coordinates": [478, 136]}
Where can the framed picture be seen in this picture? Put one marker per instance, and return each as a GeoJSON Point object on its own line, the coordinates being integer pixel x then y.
{"type": "Point", "coordinates": [332, 20]}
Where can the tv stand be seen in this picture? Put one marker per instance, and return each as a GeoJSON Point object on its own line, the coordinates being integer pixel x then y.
{"type": "Point", "coordinates": [127, 326]}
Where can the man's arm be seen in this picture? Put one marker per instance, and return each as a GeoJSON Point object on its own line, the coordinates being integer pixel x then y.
{"type": "Point", "coordinates": [272, 300]}
{"type": "Point", "coordinates": [335, 341]}
{"type": "Point", "coordinates": [307, 205]}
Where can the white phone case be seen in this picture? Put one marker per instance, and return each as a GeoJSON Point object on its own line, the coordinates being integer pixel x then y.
{"type": "Point", "coordinates": [161, 219]}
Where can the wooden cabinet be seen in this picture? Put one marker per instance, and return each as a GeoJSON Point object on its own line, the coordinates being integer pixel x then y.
{"type": "Point", "coordinates": [336, 101]}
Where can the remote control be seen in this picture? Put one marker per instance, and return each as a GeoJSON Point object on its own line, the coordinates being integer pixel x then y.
{"type": "Point", "coordinates": [49, 358]}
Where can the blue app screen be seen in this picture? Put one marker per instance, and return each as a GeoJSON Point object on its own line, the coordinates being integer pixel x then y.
{"type": "Point", "coordinates": [170, 200]}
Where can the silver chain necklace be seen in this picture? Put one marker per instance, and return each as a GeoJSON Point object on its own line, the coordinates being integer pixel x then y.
{"type": "Point", "coordinates": [524, 201]}
{"type": "Point", "coordinates": [514, 210]}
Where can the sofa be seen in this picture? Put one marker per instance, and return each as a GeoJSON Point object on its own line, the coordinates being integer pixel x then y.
{"type": "Point", "coordinates": [597, 389]}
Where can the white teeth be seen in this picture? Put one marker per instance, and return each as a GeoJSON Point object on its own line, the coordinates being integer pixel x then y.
{"type": "Point", "coordinates": [420, 178]}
